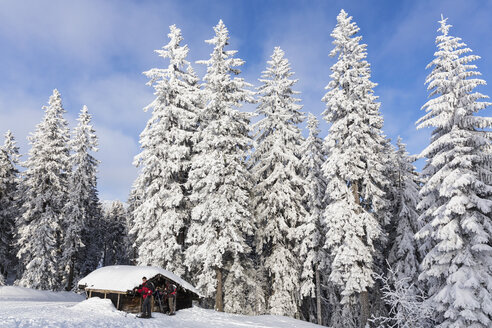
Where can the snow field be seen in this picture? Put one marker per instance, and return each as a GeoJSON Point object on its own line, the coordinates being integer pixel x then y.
{"type": "Point", "coordinates": [24, 307]}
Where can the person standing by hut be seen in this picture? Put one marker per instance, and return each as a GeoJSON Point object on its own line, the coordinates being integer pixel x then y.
{"type": "Point", "coordinates": [170, 292]}
{"type": "Point", "coordinates": [146, 290]}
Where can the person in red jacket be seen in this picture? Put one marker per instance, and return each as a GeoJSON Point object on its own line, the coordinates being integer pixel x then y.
{"type": "Point", "coordinates": [171, 297]}
{"type": "Point", "coordinates": [146, 290]}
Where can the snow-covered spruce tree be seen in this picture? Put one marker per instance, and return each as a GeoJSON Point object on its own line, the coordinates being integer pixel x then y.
{"type": "Point", "coordinates": [240, 287]}
{"type": "Point", "coordinates": [354, 169]}
{"type": "Point", "coordinates": [45, 193]}
{"type": "Point", "coordinates": [7, 220]}
{"type": "Point", "coordinates": [404, 255]}
{"type": "Point", "coordinates": [387, 218]}
{"type": "Point", "coordinates": [10, 146]}
{"type": "Point", "coordinates": [221, 219]}
{"type": "Point", "coordinates": [278, 191]}
{"type": "Point", "coordinates": [456, 202]}
{"type": "Point", "coordinates": [134, 200]}
{"type": "Point", "coordinates": [313, 254]}
{"type": "Point", "coordinates": [92, 236]}
{"type": "Point", "coordinates": [82, 183]}
{"type": "Point", "coordinates": [115, 232]}
{"type": "Point", "coordinates": [163, 215]}
{"type": "Point", "coordinates": [9, 203]}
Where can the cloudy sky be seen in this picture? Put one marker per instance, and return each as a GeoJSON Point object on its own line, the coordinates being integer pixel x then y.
{"type": "Point", "coordinates": [94, 53]}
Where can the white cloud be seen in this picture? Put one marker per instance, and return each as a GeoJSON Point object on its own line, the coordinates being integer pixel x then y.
{"type": "Point", "coordinates": [94, 52]}
{"type": "Point", "coordinates": [116, 100]}
{"type": "Point", "coordinates": [89, 32]}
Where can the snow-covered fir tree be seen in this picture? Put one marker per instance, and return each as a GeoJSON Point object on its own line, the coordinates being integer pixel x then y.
{"type": "Point", "coordinates": [10, 146]}
{"type": "Point", "coordinates": [133, 201]}
{"type": "Point", "coordinates": [115, 231]}
{"type": "Point", "coordinates": [404, 256]}
{"type": "Point", "coordinates": [221, 218]}
{"type": "Point", "coordinates": [6, 220]}
{"type": "Point", "coordinates": [46, 182]}
{"type": "Point", "coordinates": [315, 259]}
{"type": "Point", "coordinates": [354, 169]}
{"type": "Point", "coordinates": [82, 184]}
{"type": "Point", "coordinates": [456, 201]}
{"type": "Point", "coordinates": [240, 287]}
{"type": "Point", "coordinates": [278, 190]}
{"type": "Point", "coordinates": [9, 203]}
{"type": "Point", "coordinates": [92, 235]}
{"type": "Point", "coordinates": [163, 215]}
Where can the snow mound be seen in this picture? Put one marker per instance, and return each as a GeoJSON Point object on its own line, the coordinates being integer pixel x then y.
{"type": "Point", "coordinates": [126, 277]}
{"type": "Point", "coordinates": [96, 305]}
{"type": "Point", "coordinates": [14, 293]}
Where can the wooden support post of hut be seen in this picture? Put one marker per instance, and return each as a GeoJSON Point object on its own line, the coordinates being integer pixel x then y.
{"type": "Point", "coordinates": [117, 283]}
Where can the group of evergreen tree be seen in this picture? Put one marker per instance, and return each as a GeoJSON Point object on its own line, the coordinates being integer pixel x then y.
{"type": "Point", "coordinates": [342, 231]}
{"type": "Point", "coordinates": [264, 220]}
{"type": "Point", "coordinates": [52, 226]}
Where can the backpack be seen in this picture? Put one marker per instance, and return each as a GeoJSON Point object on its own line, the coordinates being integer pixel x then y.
{"type": "Point", "coordinates": [172, 289]}
{"type": "Point", "coordinates": [150, 286]}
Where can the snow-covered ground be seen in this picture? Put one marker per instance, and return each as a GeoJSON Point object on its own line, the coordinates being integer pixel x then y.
{"type": "Point", "coordinates": [22, 307]}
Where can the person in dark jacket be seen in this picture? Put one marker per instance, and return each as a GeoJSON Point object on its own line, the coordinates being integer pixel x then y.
{"type": "Point", "coordinates": [146, 290]}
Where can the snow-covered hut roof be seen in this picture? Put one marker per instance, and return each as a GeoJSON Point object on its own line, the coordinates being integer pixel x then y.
{"type": "Point", "coordinates": [121, 278]}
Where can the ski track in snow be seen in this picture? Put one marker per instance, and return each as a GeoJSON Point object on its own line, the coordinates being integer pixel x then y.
{"type": "Point", "coordinates": [22, 307]}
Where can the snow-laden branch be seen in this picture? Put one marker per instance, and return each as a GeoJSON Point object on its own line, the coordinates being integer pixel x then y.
{"type": "Point", "coordinates": [406, 302]}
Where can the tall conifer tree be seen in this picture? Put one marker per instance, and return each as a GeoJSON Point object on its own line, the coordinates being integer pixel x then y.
{"type": "Point", "coordinates": [456, 200]}
{"type": "Point", "coordinates": [92, 236]}
{"type": "Point", "coordinates": [278, 192]}
{"type": "Point", "coordinates": [10, 146]}
{"type": "Point", "coordinates": [78, 208]}
{"type": "Point", "coordinates": [46, 181]}
{"type": "Point", "coordinates": [354, 169]}
{"type": "Point", "coordinates": [314, 256]}
{"type": "Point", "coordinates": [404, 256]}
{"type": "Point", "coordinates": [221, 218]}
{"type": "Point", "coordinates": [162, 217]}
{"type": "Point", "coordinates": [134, 200]}
{"type": "Point", "coordinates": [9, 203]}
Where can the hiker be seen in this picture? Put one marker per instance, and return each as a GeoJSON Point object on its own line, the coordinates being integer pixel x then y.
{"type": "Point", "coordinates": [159, 298]}
{"type": "Point", "coordinates": [146, 290]}
{"type": "Point", "coordinates": [171, 297]}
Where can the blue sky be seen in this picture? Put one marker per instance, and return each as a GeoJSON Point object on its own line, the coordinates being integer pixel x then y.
{"type": "Point", "coordinates": [94, 53]}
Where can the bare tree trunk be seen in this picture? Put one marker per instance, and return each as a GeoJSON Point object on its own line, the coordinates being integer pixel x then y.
{"type": "Point", "coordinates": [318, 296]}
{"type": "Point", "coordinates": [70, 276]}
{"type": "Point", "coordinates": [355, 192]}
{"type": "Point", "coordinates": [105, 250]}
{"type": "Point", "coordinates": [219, 303]}
{"type": "Point", "coordinates": [364, 308]}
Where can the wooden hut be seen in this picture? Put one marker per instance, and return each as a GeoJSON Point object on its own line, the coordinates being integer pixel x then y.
{"type": "Point", "coordinates": [117, 282]}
